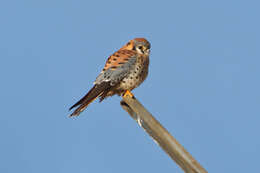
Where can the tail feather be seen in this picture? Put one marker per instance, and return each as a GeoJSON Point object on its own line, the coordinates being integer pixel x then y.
{"type": "Point", "coordinates": [96, 91]}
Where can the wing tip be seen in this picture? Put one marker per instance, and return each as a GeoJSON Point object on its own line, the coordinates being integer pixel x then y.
{"type": "Point", "coordinates": [76, 112]}
{"type": "Point", "coordinates": [73, 115]}
{"type": "Point", "coordinates": [70, 108]}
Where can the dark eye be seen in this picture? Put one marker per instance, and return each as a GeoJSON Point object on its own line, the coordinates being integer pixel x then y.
{"type": "Point", "coordinates": [140, 47]}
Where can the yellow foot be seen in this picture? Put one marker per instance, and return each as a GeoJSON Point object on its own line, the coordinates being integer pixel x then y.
{"type": "Point", "coordinates": [128, 93]}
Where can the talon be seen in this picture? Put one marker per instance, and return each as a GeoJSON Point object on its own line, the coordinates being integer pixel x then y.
{"type": "Point", "coordinates": [128, 93]}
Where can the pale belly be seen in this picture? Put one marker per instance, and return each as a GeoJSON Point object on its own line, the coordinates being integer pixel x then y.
{"type": "Point", "coordinates": [137, 75]}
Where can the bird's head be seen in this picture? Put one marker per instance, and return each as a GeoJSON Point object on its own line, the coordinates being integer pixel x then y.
{"type": "Point", "coordinates": [141, 45]}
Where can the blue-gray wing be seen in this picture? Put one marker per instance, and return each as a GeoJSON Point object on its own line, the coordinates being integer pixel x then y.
{"type": "Point", "coordinates": [115, 74]}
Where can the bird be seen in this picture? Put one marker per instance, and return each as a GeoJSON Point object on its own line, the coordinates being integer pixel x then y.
{"type": "Point", "coordinates": [124, 70]}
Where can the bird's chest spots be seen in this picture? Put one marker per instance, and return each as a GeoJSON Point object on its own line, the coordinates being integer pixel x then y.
{"type": "Point", "coordinates": [136, 76]}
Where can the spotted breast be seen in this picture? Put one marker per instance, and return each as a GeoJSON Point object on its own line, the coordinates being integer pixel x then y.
{"type": "Point", "coordinates": [124, 70]}
{"type": "Point", "coordinates": [136, 75]}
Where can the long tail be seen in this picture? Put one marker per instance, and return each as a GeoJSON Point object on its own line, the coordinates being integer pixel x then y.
{"type": "Point", "coordinates": [96, 91]}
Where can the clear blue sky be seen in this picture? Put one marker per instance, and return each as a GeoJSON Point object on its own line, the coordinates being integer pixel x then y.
{"type": "Point", "coordinates": [203, 85]}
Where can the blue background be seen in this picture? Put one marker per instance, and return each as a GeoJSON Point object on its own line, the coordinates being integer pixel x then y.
{"type": "Point", "coordinates": [203, 84]}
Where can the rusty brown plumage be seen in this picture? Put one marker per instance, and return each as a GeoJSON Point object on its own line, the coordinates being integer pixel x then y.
{"type": "Point", "coordinates": [118, 58]}
{"type": "Point", "coordinates": [124, 70]}
{"type": "Point", "coordinates": [89, 97]}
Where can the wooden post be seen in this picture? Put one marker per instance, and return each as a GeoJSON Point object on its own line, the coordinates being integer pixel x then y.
{"type": "Point", "coordinates": [167, 142]}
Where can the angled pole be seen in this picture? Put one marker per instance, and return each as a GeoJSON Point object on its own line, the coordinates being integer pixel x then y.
{"type": "Point", "coordinates": [164, 139]}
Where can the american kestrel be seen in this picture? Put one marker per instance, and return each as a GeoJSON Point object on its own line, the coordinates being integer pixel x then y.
{"type": "Point", "coordinates": [125, 70]}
